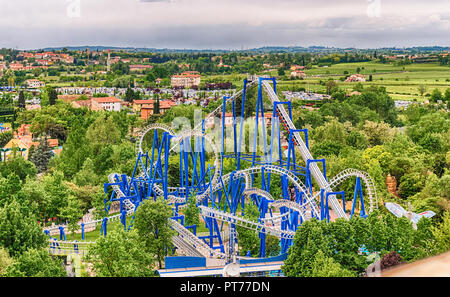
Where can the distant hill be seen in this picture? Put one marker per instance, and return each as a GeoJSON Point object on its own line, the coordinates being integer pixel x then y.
{"type": "Point", "coordinates": [266, 49]}
{"type": "Point", "coordinates": [130, 49]}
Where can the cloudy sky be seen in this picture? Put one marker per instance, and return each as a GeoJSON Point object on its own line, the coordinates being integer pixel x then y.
{"type": "Point", "coordinates": [224, 24]}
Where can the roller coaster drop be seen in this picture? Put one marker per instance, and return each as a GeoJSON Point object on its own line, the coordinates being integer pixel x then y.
{"type": "Point", "coordinates": [219, 196]}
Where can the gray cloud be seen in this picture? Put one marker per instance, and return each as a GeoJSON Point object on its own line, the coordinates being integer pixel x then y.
{"type": "Point", "coordinates": [223, 24]}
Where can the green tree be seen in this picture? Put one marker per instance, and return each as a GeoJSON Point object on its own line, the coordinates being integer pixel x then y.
{"type": "Point", "coordinates": [411, 184]}
{"type": "Point", "coordinates": [9, 187]}
{"type": "Point", "coordinates": [36, 198]}
{"type": "Point", "coordinates": [436, 95]}
{"type": "Point", "coordinates": [121, 254]}
{"type": "Point", "coordinates": [331, 86]}
{"type": "Point", "coordinates": [248, 239]}
{"type": "Point", "coordinates": [442, 234]}
{"type": "Point", "coordinates": [345, 245]}
{"type": "Point", "coordinates": [21, 99]}
{"type": "Point", "coordinates": [18, 230]}
{"type": "Point", "coordinates": [129, 95]}
{"type": "Point", "coordinates": [272, 246]}
{"type": "Point", "coordinates": [76, 150]}
{"type": "Point", "coordinates": [152, 226]}
{"type": "Point", "coordinates": [52, 97]}
{"type": "Point", "coordinates": [36, 263]}
{"type": "Point", "coordinates": [447, 95]}
{"type": "Point", "coordinates": [58, 192]}
{"type": "Point", "coordinates": [377, 133]}
{"type": "Point", "coordinates": [192, 213]}
{"type": "Point", "coordinates": [86, 176]}
{"type": "Point", "coordinates": [41, 155]}
{"type": "Point", "coordinates": [72, 213]}
{"type": "Point", "coordinates": [308, 241]}
{"type": "Point", "coordinates": [422, 89]}
{"type": "Point", "coordinates": [156, 107]}
{"type": "Point", "coordinates": [5, 261]}
{"type": "Point", "coordinates": [19, 166]}
{"type": "Point", "coordinates": [323, 266]}
{"type": "Point", "coordinates": [102, 132]}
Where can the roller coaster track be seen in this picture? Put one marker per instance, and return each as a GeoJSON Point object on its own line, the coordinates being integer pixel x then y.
{"type": "Point", "coordinates": [293, 178]}
{"type": "Point", "coordinates": [188, 240]}
{"type": "Point", "coordinates": [259, 192]}
{"type": "Point", "coordinates": [243, 222]}
{"type": "Point", "coordinates": [306, 155]}
{"type": "Point", "coordinates": [365, 177]}
{"type": "Point", "coordinates": [192, 245]}
{"type": "Point", "coordinates": [197, 131]}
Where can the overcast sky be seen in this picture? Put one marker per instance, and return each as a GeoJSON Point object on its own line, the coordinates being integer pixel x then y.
{"type": "Point", "coordinates": [225, 24]}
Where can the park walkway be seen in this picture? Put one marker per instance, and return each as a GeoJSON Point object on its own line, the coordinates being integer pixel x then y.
{"type": "Point", "coordinates": [437, 266]}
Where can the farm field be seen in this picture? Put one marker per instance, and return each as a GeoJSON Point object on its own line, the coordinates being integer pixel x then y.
{"type": "Point", "coordinates": [401, 82]}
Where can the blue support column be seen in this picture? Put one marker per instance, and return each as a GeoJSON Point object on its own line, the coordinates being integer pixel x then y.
{"type": "Point", "coordinates": [123, 219]}
{"type": "Point", "coordinates": [358, 191]}
{"type": "Point", "coordinates": [104, 226]}
{"type": "Point", "coordinates": [62, 234]}
{"type": "Point", "coordinates": [82, 231]}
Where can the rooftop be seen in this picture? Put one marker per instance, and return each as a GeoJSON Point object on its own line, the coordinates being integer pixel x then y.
{"type": "Point", "coordinates": [106, 99]}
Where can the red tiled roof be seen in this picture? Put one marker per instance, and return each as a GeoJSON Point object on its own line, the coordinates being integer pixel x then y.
{"type": "Point", "coordinates": [146, 101]}
{"type": "Point", "coordinates": [186, 75]}
{"type": "Point", "coordinates": [166, 104]}
{"type": "Point", "coordinates": [141, 66]}
{"type": "Point", "coordinates": [51, 143]}
{"type": "Point", "coordinates": [106, 99]}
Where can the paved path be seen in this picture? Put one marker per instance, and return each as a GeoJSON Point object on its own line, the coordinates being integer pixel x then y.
{"type": "Point", "coordinates": [437, 266]}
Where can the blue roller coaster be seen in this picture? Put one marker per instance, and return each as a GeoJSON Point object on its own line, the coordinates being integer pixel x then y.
{"type": "Point", "coordinates": [222, 197]}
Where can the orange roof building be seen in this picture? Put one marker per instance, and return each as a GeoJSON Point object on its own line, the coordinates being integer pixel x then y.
{"type": "Point", "coordinates": [106, 103]}
{"type": "Point", "coordinates": [137, 104]}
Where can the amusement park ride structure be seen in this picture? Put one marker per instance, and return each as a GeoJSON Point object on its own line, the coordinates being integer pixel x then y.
{"type": "Point", "coordinates": [221, 197]}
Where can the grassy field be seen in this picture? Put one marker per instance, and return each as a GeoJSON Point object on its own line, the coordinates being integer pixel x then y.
{"type": "Point", "coordinates": [401, 82]}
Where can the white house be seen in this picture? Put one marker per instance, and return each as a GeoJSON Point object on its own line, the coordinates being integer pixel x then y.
{"type": "Point", "coordinates": [106, 103]}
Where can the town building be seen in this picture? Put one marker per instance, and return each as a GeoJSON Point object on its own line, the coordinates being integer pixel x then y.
{"type": "Point", "coordinates": [16, 66]}
{"type": "Point", "coordinates": [34, 84]}
{"type": "Point", "coordinates": [136, 68]}
{"type": "Point", "coordinates": [137, 104]}
{"type": "Point", "coordinates": [185, 80]}
{"type": "Point", "coordinates": [146, 109]}
{"type": "Point", "coordinates": [297, 67]}
{"type": "Point", "coordinates": [106, 103]}
{"type": "Point", "coordinates": [356, 78]}
{"type": "Point", "coordinates": [165, 105]}
{"type": "Point", "coordinates": [298, 73]}
{"type": "Point", "coordinates": [82, 103]}
{"type": "Point", "coordinates": [22, 141]}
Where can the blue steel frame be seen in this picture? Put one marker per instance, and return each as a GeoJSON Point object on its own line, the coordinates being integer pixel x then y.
{"type": "Point", "coordinates": [195, 176]}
